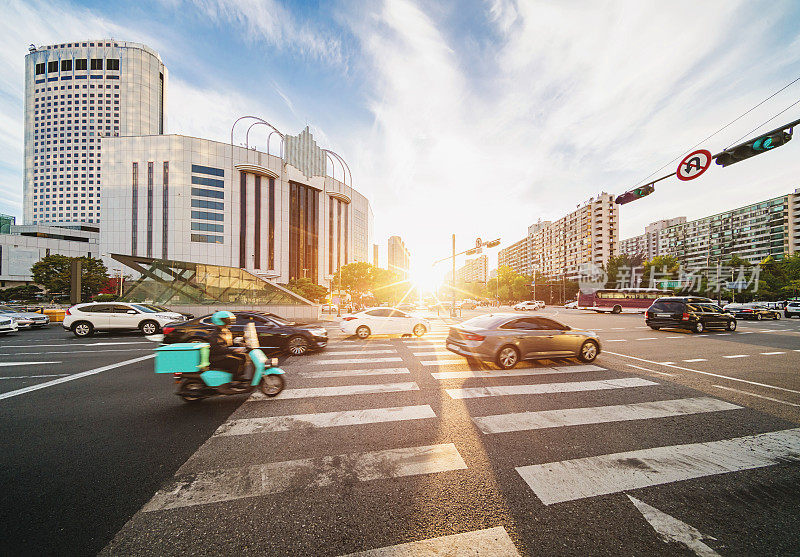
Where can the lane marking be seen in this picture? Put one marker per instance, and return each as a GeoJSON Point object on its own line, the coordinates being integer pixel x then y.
{"type": "Point", "coordinates": [666, 363]}
{"type": "Point", "coordinates": [708, 373]}
{"type": "Point", "coordinates": [354, 361]}
{"type": "Point", "coordinates": [737, 356]}
{"type": "Point", "coordinates": [676, 336]}
{"type": "Point", "coordinates": [361, 352]}
{"type": "Point", "coordinates": [443, 362]}
{"type": "Point", "coordinates": [547, 388]}
{"type": "Point", "coordinates": [68, 344]}
{"type": "Point", "coordinates": [772, 353]}
{"type": "Point", "coordinates": [492, 541]}
{"type": "Point", "coordinates": [353, 372]}
{"type": "Point", "coordinates": [650, 370]}
{"type": "Point", "coordinates": [696, 360]}
{"type": "Point", "coordinates": [230, 484]}
{"type": "Point", "coordinates": [515, 372]}
{"type": "Point", "coordinates": [35, 376]}
{"type": "Point", "coordinates": [11, 364]}
{"type": "Point", "coordinates": [757, 396]}
{"type": "Point", "coordinates": [647, 338]}
{"type": "Point", "coordinates": [615, 340]}
{"type": "Point", "coordinates": [342, 390]}
{"type": "Point", "coordinates": [325, 419]}
{"type": "Point", "coordinates": [73, 377]}
{"type": "Point", "coordinates": [570, 480]}
{"type": "Point", "coordinates": [73, 352]}
{"type": "Point", "coordinates": [670, 529]}
{"type": "Point", "coordinates": [545, 419]}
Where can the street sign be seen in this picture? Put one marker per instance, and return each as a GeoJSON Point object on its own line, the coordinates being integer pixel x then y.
{"type": "Point", "coordinates": [736, 285]}
{"type": "Point", "coordinates": [478, 243]}
{"type": "Point", "coordinates": [693, 165]}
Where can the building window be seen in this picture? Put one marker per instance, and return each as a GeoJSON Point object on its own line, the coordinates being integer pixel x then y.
{"type": "Point", "coordinates": [207, 239]}
{"type": "Point", "coordinates": [200, 192]}
{"type": "Point", "coordinates": [242, 219]}
{"type": "Point", "coordinates": [257, 226]}
{"type": "Point", "coordinates": [97, 64]}
{"type": "Point", "coordinates": [205, 215]}
{"type": "Point", "coordinates": [40, 68]}
{"type": "Point", "coordinates": [331, 203]}
{"type": "Point", "coordinates": [199, 169]}
{"type": "Point", "coordinates": [205, 204]}
{"type": "Point", "coordinates": [303, 238]}
{"type": "Point", "coordinates": [66, 65]}
{"type": "Point", "coordinates": [203, 181]}
{"type": "Point", "coordinates": [52, 67]}
{"type": "Point", "coordinates": [134, 206]}
{"type": "Point", "coordinates": [80, 63]}
{"type": "Point", "coordinates": [149, 209]}
{"type": "Point", "coordinates": [207, 227]}
{"type": "Point", "coordinates": [112, 64]}
{"type": "Point", "coordinates": [271, 232]}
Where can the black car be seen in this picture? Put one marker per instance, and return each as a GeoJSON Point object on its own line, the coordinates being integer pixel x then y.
{"type": "Point", "coordinates": [275, 334]}
{"type": "Point", "coordinates": [688, 312]}
{"type": "Point", "coordinates": [752, 311]}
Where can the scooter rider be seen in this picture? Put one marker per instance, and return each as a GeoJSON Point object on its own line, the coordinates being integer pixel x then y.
{"type": "Point", "coordinates": [224, 356]}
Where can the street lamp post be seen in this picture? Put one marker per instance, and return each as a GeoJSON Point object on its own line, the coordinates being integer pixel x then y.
{"type": "Point", "coordinates": [453, 310]}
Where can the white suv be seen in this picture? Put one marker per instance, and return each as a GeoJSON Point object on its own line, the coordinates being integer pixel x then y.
{"type": "Point", "coordinates": [792, 309]}
{"type": "Point", "coordinates": [84, 319]}
{"type": "Point", "coordinates": [531, 304]}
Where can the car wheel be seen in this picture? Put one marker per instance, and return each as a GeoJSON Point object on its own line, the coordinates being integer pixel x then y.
{"type": "Point", "coordinates": [419, 330]}
{"type": "Point", "coordinates": [617, 309]}
{"type": "Point", "coordinates": [699, 327]}
{"type": "Point", "coordinates": [507, 357]}
{"type": "Point", "coordinates": [297, 346]}
{"type": "Point", "coordinates": [776, 316]}
{"type": "Point", "coordinates": [731, 326]}
{"type": "Point", "coordinates": [82, 329]}
{"type": "Point", "coordinates": [149, 327]}
{"type": "Point", "coordinates": [588, 351]}
{"type": "Point", "coordinates": [363, 331]}
{"type": "Point", "coordinates": [759, 317]}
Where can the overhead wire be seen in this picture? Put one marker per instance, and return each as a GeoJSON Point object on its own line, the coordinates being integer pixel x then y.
{"type": "Point", "coordinates": [724, 127]}
{"type": "Point", "coordinates": [762, 124]}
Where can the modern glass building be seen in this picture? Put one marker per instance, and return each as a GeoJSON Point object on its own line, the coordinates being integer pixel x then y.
{"type": "Point", "coordinates": [279, 217]}
{"type": "Point", "coordinates": [75, 94]}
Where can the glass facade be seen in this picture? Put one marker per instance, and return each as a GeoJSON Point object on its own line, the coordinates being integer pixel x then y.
{"type": "Point", "coordinates": [303, 237]}
{"type": "Point", "coordinates": [177, 283]}
{"type": "Point", "coordinates": [200, 201]}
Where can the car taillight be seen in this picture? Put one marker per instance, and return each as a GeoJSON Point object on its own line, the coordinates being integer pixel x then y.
{"type": "Point", "coordinates": [685, 317]}
{"type": "Point", "coordinates": [348, 318]}
{"type": "Point", "coordinates": [167, 330]}
{"type": "Point", "coordinates": [648, 315]}
{"type": "Point", "coordinates": [67, 312]}
{"type": "Point", "coordinates": [472, 336]}
{"type": "Point", "coordinates": [747, 311]}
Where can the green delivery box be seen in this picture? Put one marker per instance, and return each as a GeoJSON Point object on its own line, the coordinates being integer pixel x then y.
{"type": "Point", "coordinates": [182, 357]}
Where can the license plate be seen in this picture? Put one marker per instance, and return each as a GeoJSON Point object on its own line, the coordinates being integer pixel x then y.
{"type": "Point", "coordinates": [663, 315]}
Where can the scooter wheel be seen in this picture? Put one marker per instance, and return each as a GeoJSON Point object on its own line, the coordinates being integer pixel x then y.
{"type": "Point", "coordinates": [188, 387]}
{"type": "Point", "coordinates": [271, 385]}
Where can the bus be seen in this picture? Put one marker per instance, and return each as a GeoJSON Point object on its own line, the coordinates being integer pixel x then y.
{"type": "Point", "coordinates": [629, 300]}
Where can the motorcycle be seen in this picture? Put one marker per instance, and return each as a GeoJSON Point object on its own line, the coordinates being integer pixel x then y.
{"type": "Point", "coordinates": [188, 362]}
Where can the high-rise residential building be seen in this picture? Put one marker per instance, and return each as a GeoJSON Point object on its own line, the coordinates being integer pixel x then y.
{"type": "Point", "coordinates": [753, 232]}
{"type": "Point", "coordinates": [75, 94]}
{"type": "Point", "coordinates": [477, 270]}
{"type": "Point", "coordinates": [646, 245]}
{"type": "Point", "coordinates": [376, 255]}
{"type": "Point", "coordinates": [279, 217]}
{"type": "Point", "coordinates": [586, 236]}
{"type": "Point", "coordinates": [399, 256]}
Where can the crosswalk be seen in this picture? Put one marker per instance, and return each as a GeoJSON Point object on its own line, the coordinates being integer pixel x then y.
{"type": "Point", "coordinates": [352, 413]}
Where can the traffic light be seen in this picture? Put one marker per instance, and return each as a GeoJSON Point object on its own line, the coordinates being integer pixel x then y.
{"type": "Point", "coordinates": [634, 194]}
{"type": "Point", "coordinates": [753, 147]}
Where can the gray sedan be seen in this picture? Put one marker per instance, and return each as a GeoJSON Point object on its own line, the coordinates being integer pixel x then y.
{"type": "Point", "coordinates": [507, 338]}
{"type": "Point", "coordinates": [25, 319]}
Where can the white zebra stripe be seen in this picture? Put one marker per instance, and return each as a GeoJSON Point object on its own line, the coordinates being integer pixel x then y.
{"type": "Point", "coordinates": [343, 390]}
{"type": "Point", "coordinates": [547, 388]}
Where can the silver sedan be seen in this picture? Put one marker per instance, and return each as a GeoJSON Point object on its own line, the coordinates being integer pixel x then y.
{"type": "Point", "coordinates": [507, 338]}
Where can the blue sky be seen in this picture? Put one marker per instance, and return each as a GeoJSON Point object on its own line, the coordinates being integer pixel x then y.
{"type": "Point", "coordinates": [474, 118]}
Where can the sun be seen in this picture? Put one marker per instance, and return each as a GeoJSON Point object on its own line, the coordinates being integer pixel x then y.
{"type": "Point", "coordinates": [425, 279]}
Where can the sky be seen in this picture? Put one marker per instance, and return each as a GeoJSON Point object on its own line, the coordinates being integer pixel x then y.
{"type": "Point", "coordinates": [473, 118]}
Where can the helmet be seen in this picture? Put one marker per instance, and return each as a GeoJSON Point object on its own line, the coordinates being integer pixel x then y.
{"type": "Point", "coordinates": [222, 318]}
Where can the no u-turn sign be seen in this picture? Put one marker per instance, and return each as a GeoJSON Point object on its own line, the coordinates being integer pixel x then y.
{"type": "Point", "coordinates": [693, 165]}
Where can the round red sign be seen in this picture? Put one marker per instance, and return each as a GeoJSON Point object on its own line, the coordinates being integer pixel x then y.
{"type": "Point", "coordinates": [693, 165]}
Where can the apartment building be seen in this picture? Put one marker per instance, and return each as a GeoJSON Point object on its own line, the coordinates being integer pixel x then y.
{"type": "Point", "coordinates": [647, 245]}
{"type": "Point", "coordinates": [399, 256]}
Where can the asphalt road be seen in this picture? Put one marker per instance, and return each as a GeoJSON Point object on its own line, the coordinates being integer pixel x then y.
{"type": "Point", "coordinates": [393, 441]}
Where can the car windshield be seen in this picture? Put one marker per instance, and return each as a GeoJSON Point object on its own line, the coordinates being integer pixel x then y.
{"type": "Point", "coordinates": [147, 308]}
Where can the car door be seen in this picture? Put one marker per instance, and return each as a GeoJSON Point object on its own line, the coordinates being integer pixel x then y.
{"type": "Point", "coordinates": [399, 323]}
{"type": "Point", "coordinates": [271, 336]}
{"type": "Point", "coordinates": [525, 333]}
{"type": "Point", "coordinates": [714, 316]}
{"type": "Point", "coordinates": [124, 317]}
{"type": "Point", "coordinates": [377, 320]}
{"type": "Point", "coordinates": [98, 315]}
{"type": "Point", "coordinates": [561, 341]}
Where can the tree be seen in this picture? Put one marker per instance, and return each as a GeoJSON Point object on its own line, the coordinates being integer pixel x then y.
{"type": "Point", "coordinates": [620, 268]}
{"type": "Point", "coordinates": [308, 289]}
{"type": "Point", "coordinates": [661, 267]}
{"type": "Point", "coordinates": [53, 272]}
{"type": "Point", "coordinates": [25, 293]}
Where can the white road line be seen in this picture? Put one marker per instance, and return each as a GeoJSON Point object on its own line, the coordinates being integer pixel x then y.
{"type": "Point", "coordinates": [524, 421]}
{"type": "Point", "coordinates": [263, 479]}
{"type": "Point", "coordinates": [737, 356]}
{"type": "Point", "coordinates": [617, 328]}
{"type": "Point", "coordinates": [514, 372]}
{"type": "Point", "coordinates": [708, 373]}
{"type": "Point", "coordinates": [380, 360]}
{"type": "Point", "coordinates": [493, 542]}
{"type": "Point", "coordinates": [757, 396]}
{"type": "Point", "coordinates": [647, 338]}
{"type": "Point", "coordinates": [670, 528]}
{"type": "Point", "coordinates": [74, 352]}
{"type": "Point", "coordinates": [615, 340]}
{"type": "Point", "coordinates": [650, 370]}
{"type": "Point", "coordinates": [696, 360]}
{"type": "Point", "coordinates": [432, 354]}
{"type": "Point", "coordinates": [547, 388]}
{"type": "Point", "coordinates": [70, 344]}
{"type": "Point", "coordinates": [745, 332]}
{"type": "Point", "coordinates": [10, 364]}
{"type": "Point", "coordinates": [666, 363]}
{"type": "Point", "coordinates": [359, 352]}
{"type": "Point", "coordinates": [353, 372]}
{"type": "Point", "coordinates": [342, 390]}
{"type": "Point", "coordinates": [443, 362]}
{"type": "Point", "coordinates": [772, 353]}
{"type": "Point", "coordinates": [325, 419]}
{"type": "Point", "coordinates": [676, 336]}
{"type": "Point", "coordinates": [72, 377]}
{"type": "Point", "coordinates": [35, 376]}
{"type": "Point", "coordinates": [569, 480]}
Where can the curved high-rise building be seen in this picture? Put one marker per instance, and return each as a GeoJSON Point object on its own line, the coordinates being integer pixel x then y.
{"type": "Point", "coordinates": [75, 94]}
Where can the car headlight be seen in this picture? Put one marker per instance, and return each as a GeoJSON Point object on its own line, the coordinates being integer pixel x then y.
{"type": "Point", "coordinates": [319, 331]}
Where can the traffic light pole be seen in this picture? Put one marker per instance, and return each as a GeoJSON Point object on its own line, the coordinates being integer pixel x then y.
{"type": "Point", "coordinates": [453, 310]}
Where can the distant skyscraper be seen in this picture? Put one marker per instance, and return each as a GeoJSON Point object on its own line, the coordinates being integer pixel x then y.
{"type": "Point", "coordinates": [376, 255]}
{"type": "Point", "coordinates": [398, 256]}
{"type": "Point", "coordinates": [76, 93]}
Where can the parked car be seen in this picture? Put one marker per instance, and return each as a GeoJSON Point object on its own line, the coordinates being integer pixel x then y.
{"type": "Point", "coordinates": [571, 305]}
{"type": "Point", "coordinates": [792, 309]}
{"type": "Point", "coordinates": [752, 311]}
{"type": "Point", "coordinates": [85, 319]}
{"type": "Point", "coordinates": [275, 334]}
{"type": "Point", "coordinates": [384, 321]}
{"type": "Point", "coordinates": [25, 319]}
{"type": "Point", "coordinates": [529, 305]}
{"type": "Point", "coordinates": [8, 325]}
{"type": "Point", "coordinates": [688, 312]}
{"type": "Point", "coordinates": [328, 308]}
{"type": "Point", "coordinates": [467, 304]}
{"type": "Point", "coordinates": [507, 338]}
